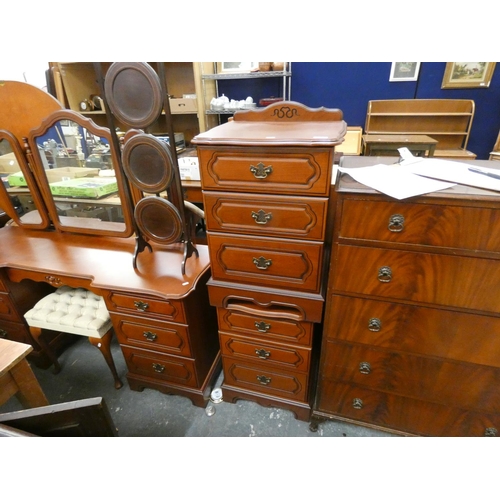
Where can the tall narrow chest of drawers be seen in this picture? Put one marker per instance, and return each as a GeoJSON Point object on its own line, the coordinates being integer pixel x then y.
{"type": "Point", "coordinates": [266, 179]}
{"type": "Point", "coordinates": [411, 340]}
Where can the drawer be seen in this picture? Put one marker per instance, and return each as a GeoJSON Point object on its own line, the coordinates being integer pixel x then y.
{"type": "Point", "coordinates": [55, 280]}
{"type": "Point", "coordinates": [172, 310]}
{"type": "Point", "coordinates": [421, 330]}
{"type": "Point", "coordinates": [150, 334]}
{"type": "Point", "coordinates": [264, 380]}
{"type": "Point", "coordinates": [402, 413]}
{"type": "Point", "coordinates": [180, 105]}
{"type": "Point", "coordinates": [265, 353]}
{"type": "Point", "coordinates": [267, 262]}
{"type": "Point", "coordinates": [16, 332]}
{"type": "Point", "coordinates": [418, 276]}
{"type": "Point", "coordinates": [273, 169]}
{"type": "Point", "coordinates": [259, 301]}
{"type": "Point", "coordinates": [464, 385]}
{"type": "Point", "coordinates": [8, 309]}
{"type": "Point", "coordinates": [281, 216]}
{"type": "Point", "coordinates": [172, 369]}
{"type": "Point", "coordinates": [267, 328]}
{"type": "Point", "coordinates": [472, 228]}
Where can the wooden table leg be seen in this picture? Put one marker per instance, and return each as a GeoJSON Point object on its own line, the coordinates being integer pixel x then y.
{"type": "Point", "coordinates": [30, 394]}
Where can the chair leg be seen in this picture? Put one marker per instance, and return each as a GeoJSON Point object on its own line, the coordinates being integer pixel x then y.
{"type": "Point", "coordinates": [36, 333]}
{"type": "Point", "coordinates": [104, 345]}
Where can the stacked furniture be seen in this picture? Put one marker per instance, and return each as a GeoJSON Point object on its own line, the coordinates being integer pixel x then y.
{"type": "Point", "coordinates": [411, 338]}
{"type": "Point", "coordinates": [447, 121]}
{"type": "Point", "coordinates": [266, 179]}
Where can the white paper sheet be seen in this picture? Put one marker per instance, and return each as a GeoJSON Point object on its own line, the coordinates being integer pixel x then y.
{"type": "Point", "coordinates": [395, 180]}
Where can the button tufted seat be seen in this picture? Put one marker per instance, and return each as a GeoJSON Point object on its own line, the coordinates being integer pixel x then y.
{"type": "Point", "coordinates": [77, 311]}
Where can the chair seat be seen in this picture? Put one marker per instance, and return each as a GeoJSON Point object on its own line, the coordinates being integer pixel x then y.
{"type": "Point", "coordinates": [71, 310]}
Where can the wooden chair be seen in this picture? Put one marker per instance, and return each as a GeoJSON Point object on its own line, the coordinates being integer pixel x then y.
{"type": "Point", "coordinates": [77, 311]}
{"type": "Point", "coordinates": [495, 154]}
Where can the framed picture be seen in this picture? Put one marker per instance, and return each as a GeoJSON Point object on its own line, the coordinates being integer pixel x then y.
{"type": "Point", "coordinates": [236, 67]}
{"type": "Point", "coordinates": [404, 71]}
{"type": "Point", "coordinates": [467, 75]}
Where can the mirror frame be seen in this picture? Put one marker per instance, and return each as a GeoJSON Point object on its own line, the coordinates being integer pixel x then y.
{"type": "Point", "coordinates": [43, 183]}
{"type": "Point", "coordinates": [5, 200]}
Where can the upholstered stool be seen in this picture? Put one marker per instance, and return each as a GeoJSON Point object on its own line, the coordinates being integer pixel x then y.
{"type": "Point", "coordinates": [77, 311]}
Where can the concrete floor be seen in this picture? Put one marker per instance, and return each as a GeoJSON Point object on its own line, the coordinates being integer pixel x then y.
{"type": "Point", "coordinates": [150, 413]}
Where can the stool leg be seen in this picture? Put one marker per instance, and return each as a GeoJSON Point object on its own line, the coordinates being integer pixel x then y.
{"type": "Point", "coordinates": [104, 345]}
{"type": "Point", "coordinates": [36, 333]}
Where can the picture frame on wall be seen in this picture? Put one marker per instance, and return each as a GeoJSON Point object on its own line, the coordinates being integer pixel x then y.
{"type": "Point", "coordinates": [236, 67]}
{"type": "Point", "coordinates": [468, 75]}
{"type": "Point", "coordinates": [404, 71]}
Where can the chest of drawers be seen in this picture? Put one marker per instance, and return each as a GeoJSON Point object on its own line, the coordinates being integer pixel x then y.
{"type": "Point", "coordinates": [266, 180]}
{"type": "Point", "coordinates": [412, 315]}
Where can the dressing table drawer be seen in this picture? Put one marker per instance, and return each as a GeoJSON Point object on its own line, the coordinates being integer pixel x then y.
{"type": "Point", "coordinates": [150, 334]}
{"type": "Point", "coordinates": [16, 332]}
{"type": "Point", "coordinates": [55, 280]}
{"type": "Point", "coordinates": [275, 263]}
{"type": "Point", "coordinates": [263, 215]}
{"type": "Point", "coordinates": [272, 169]}
{"type": "Point", "coordinates": [8, 310]}
{"type": "Point", "coordinates": [171, 310]}
{"type": "Point", "coordinates": [264, 353]}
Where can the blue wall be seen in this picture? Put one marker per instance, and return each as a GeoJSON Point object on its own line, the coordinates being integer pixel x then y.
{"type": "Point", "coordinates": [350, 85]}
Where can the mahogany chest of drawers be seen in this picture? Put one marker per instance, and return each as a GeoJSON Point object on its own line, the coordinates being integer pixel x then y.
{"type": "Point", "coordinates": [266, 180]}
{"type": "Point", "coordinates": [412, 316]}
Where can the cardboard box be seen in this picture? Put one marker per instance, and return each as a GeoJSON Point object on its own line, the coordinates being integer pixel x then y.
{"type": "Point", "coordinates": [189, 168]}
{"type": "Point", "coordinates": [67, 173]}
{"type": "Point", "coordinates": [82, 187]}
{"type": "Point", "coordinates": [8, 163]}
{"type": "Point", "coordinates": [181, 105]}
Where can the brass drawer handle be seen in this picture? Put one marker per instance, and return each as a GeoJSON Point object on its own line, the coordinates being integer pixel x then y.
{"type": "Point", "coordinates": [261, 217]}
{"type": "Point", "coordinates": [53, 280]}
{"type": "Point", "coordinates": [385, 274]}
{"type": "Point", "coordinates": [158, 368]}
{"type": "Point", "coordinates": [490, 432]}
{"type": "Point", "coordinates": [365, 368]}
{"type": "Point", "coordinates": [357, 403]}
{"type": "Point", "coordinates": [262, 263]}
{"type": "Point", "coordinates": [262, 326]}
{"type": "Point", "coordinates": [3, 334]}
{"type": "Point", "coordinates": [396, 223]}
{"type": "Point", "coordinates": [263, 379]}
{"type": "Point", "coordinates": [150, 336]}
{"type": "Point", "coordinates": [140, 305]}
{"type": "Point", "coordinates": [262, 353]}
{"type": "Point", "coordinates": [374, 325]}
{"type": "Point", "coordinates": [261, 171]}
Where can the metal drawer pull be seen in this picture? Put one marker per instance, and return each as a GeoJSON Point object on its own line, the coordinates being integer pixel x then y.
{"type": "Point", "coordinates": [263, 379]}
{"type": "Point", "coordinates": [396, 223]}
{"type": "Point", "coordinates": [261, 171]}
{"type": "Point", "coordinates": [262, 326]}
{"type": "Point", "coordinates": [365, 368]}
{"type": "Point", "coordinates": [357, 403]}
{"type": "Point", "coordinates": [385, 274]}
{"type": "Point", "coordinates": [261, 217]}
{"type": "Point", "coordinates": [142, 306]}
{"type": "Point", "coordinates": [3, 334]}
{"type": "Point", "coordinates": [374, 325]}
{"type": "Point", "coordinates": [262, 263]}
{"type": "Point", "coordinates": [53, 280]}
{"type": "Point", "coordinates": [158, 368]}
{"type": "Point", "coordinates": [262, 353]}
{"type": "Point", "coordinates": [150, 336]}
{"type": "Point", "coordinates": [490, 432]}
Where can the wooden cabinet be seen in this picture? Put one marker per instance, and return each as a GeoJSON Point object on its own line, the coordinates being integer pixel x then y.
{"type": "Point", "coordinates": [412, 318]}
{"type": "Point", "coordinates": [79, 84]}
{"type": "Point", "coordinates": [266, 179]}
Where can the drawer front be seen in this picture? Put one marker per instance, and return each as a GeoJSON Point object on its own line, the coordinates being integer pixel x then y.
{"type": "Point", "coordinates": [55, 280]}
{"type": "Point", "coordinates": [172, 310]}
{"type": "Point", "coordinates": [423, 224]}
{"type": "Point", "coordinates": [419, 276]}
{"type": "Point", "coordinates": [404, 414]}
{"type": "Point", "coordinates": [272, 170]}
{"type": "Point", "coordinates": [8, 310]}
{"type": "Point", "coordinates": [265, 353]}
{"type": "Point", "coordinates": [420, 330]}
{"type": "Point", "coordinates": [261, 326]}
{"type": "Point", "coordinates": [280, 216]}
{"type": "Point", "coordinates": [267, 262]}
{"type": "Point", "coordinates": [17, 332]}
{"type": "Point", "coordinates": [265, 380]}
{"type": "Point", "coordinates": [149, 334]}
{"type": "Point", "coordinates": [445, 382]}
{"type": "Point", "coordinates": [173, 369]}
